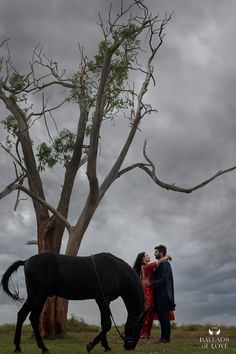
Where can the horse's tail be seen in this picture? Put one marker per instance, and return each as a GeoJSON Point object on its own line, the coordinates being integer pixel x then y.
{"type": "Point", "coordinates": [13, 293]}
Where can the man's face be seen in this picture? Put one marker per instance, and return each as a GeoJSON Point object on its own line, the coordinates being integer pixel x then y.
{"type": "Point", "coordinates": [157, 254]}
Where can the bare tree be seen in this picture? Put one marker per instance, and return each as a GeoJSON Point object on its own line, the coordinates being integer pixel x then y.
{"type": "Point", "coordinates": [100, 89]}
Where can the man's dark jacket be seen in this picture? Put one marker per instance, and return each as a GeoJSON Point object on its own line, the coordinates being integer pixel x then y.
{"type": "Point", "coordinates": [163, 287]}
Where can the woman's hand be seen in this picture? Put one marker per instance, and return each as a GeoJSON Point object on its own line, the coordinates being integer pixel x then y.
{"type": "Point", "coordinates": [145, 283]}
{"type": "Point", "coordinates": [169, 257]}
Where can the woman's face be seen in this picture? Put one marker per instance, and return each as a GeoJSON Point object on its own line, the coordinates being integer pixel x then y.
{"type": "Point", "coordinates": [146, 258]}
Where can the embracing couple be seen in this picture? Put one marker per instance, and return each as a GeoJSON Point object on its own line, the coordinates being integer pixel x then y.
{"type": "Point", "coordinates": [157, 280]}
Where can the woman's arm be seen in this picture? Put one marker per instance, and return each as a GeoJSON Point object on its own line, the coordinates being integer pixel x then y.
{"type": "Point", "coordinates": [153, 265]}
{"type": "Point", "coordinates": [166, 258]}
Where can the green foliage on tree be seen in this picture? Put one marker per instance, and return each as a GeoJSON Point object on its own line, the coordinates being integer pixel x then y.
{"type": "Point", "coordinates": [17, 82]}
{"type": "Point", "coordinates": [11, 126]}
{"type": "Point", "coordinates": [118, 96]}
{"type": "Point", "coordinates": [58, 152]}
{"type": "Point", "coordinates": [117, 92]}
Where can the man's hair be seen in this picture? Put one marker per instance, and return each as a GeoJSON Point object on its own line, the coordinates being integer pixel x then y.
{"type": "Point", "coordinates": [162, 249]}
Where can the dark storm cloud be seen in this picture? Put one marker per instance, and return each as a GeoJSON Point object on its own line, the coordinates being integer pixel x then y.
{"type": "Point", "coordinates": [190, 139]}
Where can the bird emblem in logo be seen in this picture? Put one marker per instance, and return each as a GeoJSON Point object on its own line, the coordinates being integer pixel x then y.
{"type": "Point", "coordinates": [214, 331]}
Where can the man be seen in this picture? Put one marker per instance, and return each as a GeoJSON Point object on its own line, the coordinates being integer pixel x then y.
{"type": "Point", "coordinates": [163, 291]}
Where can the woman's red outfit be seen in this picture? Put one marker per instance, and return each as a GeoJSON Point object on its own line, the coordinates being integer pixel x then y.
{"type": "Point", "coordinates": [146, 275]}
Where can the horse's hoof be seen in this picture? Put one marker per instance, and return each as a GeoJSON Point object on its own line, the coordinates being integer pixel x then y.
{"type": "Point", "coordinates": [47, 351]}
{"type": "Point", "coordinates": [89, 347]}
{"type": "Point", "coordinates": [107, 350]}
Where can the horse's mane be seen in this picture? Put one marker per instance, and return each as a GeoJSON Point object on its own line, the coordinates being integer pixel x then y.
{"type": "Point", "coordinates": [128, 270]}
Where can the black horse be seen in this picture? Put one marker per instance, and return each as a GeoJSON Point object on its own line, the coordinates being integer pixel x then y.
{"type": "Point", "coordinates": [102, 277]}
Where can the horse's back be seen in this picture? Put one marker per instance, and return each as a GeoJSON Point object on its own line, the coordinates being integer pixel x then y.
{"type": "Point", "coordinates": [54, 274]}
{"type": "Point", "coordinates": [71, 277]}
{"type": "Point", "coordinates": [74, 277]}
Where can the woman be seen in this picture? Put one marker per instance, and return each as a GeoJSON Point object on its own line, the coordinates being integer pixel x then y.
{"type": "Point", "coordinates": [143, 267]}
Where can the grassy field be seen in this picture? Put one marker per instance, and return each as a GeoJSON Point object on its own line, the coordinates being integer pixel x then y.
{"type": "Point", "coordinates": [185, 340]}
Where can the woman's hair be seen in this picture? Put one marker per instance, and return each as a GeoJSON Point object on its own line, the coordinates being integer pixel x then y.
{"type": "Point", "coordinates": [138, 263]}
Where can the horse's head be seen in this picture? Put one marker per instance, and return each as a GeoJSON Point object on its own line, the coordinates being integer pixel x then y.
{"type": "Point", "coordinates": [132, 332]}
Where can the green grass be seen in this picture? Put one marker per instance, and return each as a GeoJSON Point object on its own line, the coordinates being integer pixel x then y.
{"type": "Point", "coordinates": [185, 340]}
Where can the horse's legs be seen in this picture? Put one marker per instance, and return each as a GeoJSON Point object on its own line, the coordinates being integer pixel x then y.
{"type": "Point", "coordinates": [21, 316]}
{"type": "Point", "coordinates": [104, 341]}
{"type": "Point", "coordinates": [105, 324]}
{"type": "Point", "coordinates": [95, 341]}
{"type": "Point", "coordinates": [34, 319]}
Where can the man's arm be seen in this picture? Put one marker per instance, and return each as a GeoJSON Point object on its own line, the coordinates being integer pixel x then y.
{"type": "Point", "coordinates": [157, 283]}
{"type": "Point", "coordinates": [164, 277]}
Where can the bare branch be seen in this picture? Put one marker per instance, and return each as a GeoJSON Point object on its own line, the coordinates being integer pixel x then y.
{"type": "Point", "coordinates": [31, 242]}
{"type": "Point", "coordinates": [44, 110]}
{"type": "Point", "coordinates": [150, 170]}
{"type": "Point", "coordinates": [51, 83]}
{"type": "Point", "coordinates": [18, 186]}
{"type": "Point", "coordinates": [21, 180]}
{"type": "Point", "coordinates": [175, 188]}
{"type": "Point", "coordinates": [11, 187]}
{"type": "Point", "coordinates": [147, 158]}
{"type": "Point", "coordinates": [141, 109]}
{"type": "Point", "coordinates": [18, 200]}
{"type": "Point", "coordinates": [13, 157]}
{"type": "Point", "coordinates": [130, 168]}
{"type": "Point", "coordinates": [3, 42]}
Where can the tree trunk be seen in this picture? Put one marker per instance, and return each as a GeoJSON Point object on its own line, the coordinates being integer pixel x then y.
{"type": "Point", "coordinates": [53, 317]}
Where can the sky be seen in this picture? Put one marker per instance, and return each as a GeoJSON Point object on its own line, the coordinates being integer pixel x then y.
{"type": "Point", "coordinates": [190, 138]}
